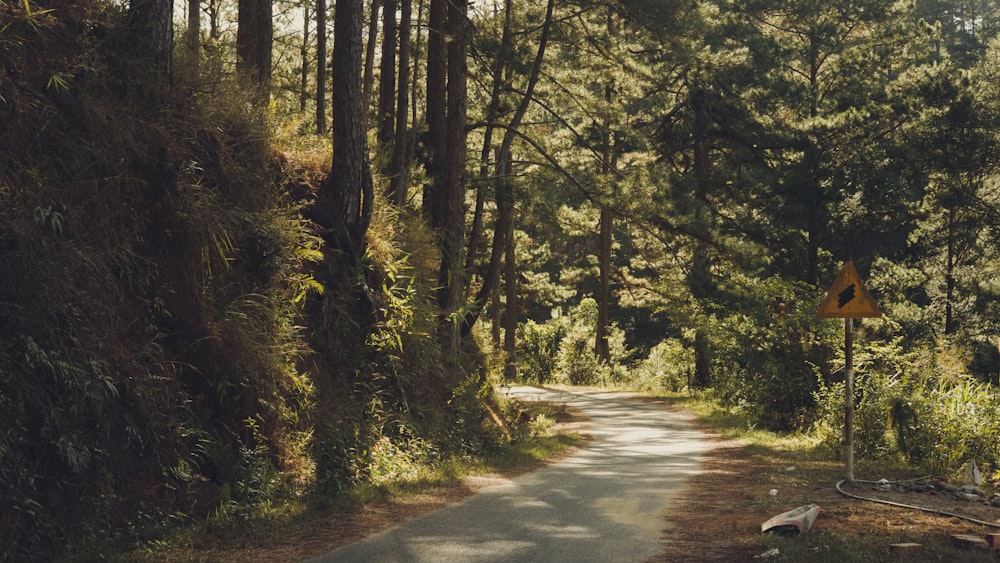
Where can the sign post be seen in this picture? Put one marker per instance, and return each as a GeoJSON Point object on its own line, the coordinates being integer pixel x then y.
{"type": "Point", "coordinates": [848, 299]}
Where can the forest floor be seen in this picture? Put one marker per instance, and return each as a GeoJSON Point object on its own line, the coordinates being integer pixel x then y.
{"type": "Point", "coordinates": [717, 518]}
{"type": "Point", "coordinates": [722, 510]}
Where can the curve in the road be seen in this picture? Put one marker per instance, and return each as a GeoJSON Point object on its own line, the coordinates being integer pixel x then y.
{"type": "Point", "coordinates": [604, 503]}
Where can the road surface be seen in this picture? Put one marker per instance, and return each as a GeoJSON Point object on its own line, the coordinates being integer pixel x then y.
{"type": "Point", "coordinates": [604, 503]}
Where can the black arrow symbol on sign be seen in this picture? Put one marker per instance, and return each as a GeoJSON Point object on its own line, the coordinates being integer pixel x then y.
{"type": "Point", "coordinates": [845, 297]}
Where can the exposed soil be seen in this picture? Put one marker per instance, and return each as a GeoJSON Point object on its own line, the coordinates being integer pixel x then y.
{"type": "Point", "coordinates": [721, 512]}
{"type": "Point", "coordinates": [717, 517]}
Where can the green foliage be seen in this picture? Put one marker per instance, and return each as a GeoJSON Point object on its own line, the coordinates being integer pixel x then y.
{"type": "Point", "coordinates": [391, 403]}
{"type": "Point", "coordinates": [390, 461]}
{"type": "Point", "coordinates": [871, 417]}
{"type": "Point", "coordinates": [577, 362]}
{"type": "Point", "coordinates": [668, 367]}
{"type": "Point", "coordinates": [945, 425]}
{"type": "Point", "coordinates": [154, 270]}
{"type": "Point", "coordinates": [914, 406]}
{"type": "Point", "coordinates": [770, 351]}
{"type": "Point", "coordinates": [539, 346]}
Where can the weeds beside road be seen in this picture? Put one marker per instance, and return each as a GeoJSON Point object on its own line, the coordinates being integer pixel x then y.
{"type": "Point", "coordinates": [726, 504]}
{"type": "Point", "coordinates": [718, 520]}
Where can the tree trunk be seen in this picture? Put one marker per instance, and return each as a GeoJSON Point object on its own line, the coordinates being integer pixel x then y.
{"type": "Point", "coordinates": [602, 346]}
{"type": "Point", "coordinates": [214, 6]}
{"type": "Point", "coordinates": [304, 58]}
{"type": "Point", "coordinates": [386, 117]}
{"type": "Point", "coordinates": [345, 206]}
{"type": "Point", "coordinates": [321, 67]}
{"type": "Point", "coordinates": [151, 24]}
{"type": "Point", "coordinates": [496, 318]}
{"type": "Point", "coordinates": [349, 186]}
{"type": "Point", "coordinates": [452, 274]}
{"type": "Point", "coordinates": [415, 79]}
{"type": "Point", "coordinates": [254, 36]}
{"type": "Point", "coordinates": [812, 248]}
{"type": "Point", "coordinates": [701, 273]}
{"type": "Point", "coordinates": [369, 74]}
{"type": "Point", "coordinates": [510, 313]}
{"type": "Point", "coordinates": [437, 94]}
{"type": "Point", "coordinates": [192, 37]}
{"type": "Point", "coordinates": [814, 200]}
{"type": "Point", "coordinates": [398, 177]}
{"type": "Point", "coordinates": [949, 275]}
{"type": "Point", "coordinates": [702, 364]}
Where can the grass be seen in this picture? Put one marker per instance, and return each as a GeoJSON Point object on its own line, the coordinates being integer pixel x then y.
{"type": "Point", "coordinates": [805, 472]}
{"type": "Point", "coordinates": [260, 530]}
{"type": "Point", "coordinates": [734, 499]}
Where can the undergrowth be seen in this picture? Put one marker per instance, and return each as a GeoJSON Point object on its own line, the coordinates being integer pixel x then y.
{"type": "Point", "coordinates": [178, 347]}
{"type": "Point", "coordinates": [402, 473]}
{"type": "Point", "coordinates": [155, 262]}
{"type": "Point", "coordinates": [802, 469]}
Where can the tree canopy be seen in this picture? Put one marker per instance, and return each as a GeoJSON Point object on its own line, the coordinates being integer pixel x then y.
{"type": "Point", "coordinates": [241, 261]}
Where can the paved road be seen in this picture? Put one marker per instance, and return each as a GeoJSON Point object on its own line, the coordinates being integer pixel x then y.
{"type": "Point", "coordinates": [605, 503]}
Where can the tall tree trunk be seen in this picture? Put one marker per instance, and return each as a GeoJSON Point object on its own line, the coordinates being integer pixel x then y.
{"type": "Point", "coordinates": [602, 345]}
{"type": "Point", "coordinates": [386, 117]}
{"type": "Point", "coordinates": [345, 207]}
{"type": "Point", "coordinates": [452, 275]}
{"type": "Point", "coordinates": [504, 189]}
{"type": "Point", "coordinates": [702, 363]}
{"type": "Point", "coordinates": [151, 24]}
{"type": "Point", "coordinates": [304, 58]}
{"type": "Point", "coordinates": [321, 66]}
{"type": "Point", "coordinates": [415, 79]}
{"type": "Point", "coordinates": [510, 313]}
{"type": "Point", "coordinates": [213, 8]}
{"type": "Point", "coordinates": [815, 198]}
{"type": "Point", "coordinates": [437, 95]}
{"type": "Point", "coordinates": [192, 37]}
{"type": "Point", "coordinates": [949, 275]}
{"type": "Point", "coordinates": [812, 244]}
{"type": "Point", "coordinates": [368, 79]}
{"type": "Point", "coordinates": [349, 186]}
{"type": "Point", "coordinates": [398, 177]}
{"type": "Point", "coordinates": [254, 38]}
{"type": "Point", "coordinates": [496, 318]}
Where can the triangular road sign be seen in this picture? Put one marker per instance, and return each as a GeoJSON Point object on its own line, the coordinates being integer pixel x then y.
{"type": "Point", "coordinates": [848, 298]}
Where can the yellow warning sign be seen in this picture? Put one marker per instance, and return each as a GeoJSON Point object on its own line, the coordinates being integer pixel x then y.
{"type": "Point", "coordinates": [848, 298]}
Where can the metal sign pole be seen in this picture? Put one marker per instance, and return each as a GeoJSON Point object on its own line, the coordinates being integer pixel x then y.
{"type": "Point", "coordinates": [849, 397]}
{"type": "Point", "coordinates": [848, 299]}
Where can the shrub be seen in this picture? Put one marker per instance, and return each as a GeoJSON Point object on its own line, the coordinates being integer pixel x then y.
{"type": "Point", "coordinates": [925, 411]}
{"type": "Point", "coordinates": [769, 351]}
{"type": "Point", "coordinates": [667, 367]}
{"type": "Point", "coordinates": [873, 398]}
{"type": "Point", "coordinates": [576, 360]}
{"type": "Point", "coordinates": [539, 349]}
{"type": "Point", "coordinates": [947, 424]}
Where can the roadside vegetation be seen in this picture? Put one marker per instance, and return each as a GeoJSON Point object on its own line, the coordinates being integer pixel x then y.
{"type": "Point", "coordinates": [723, 508]}
{"type": "Point", "coordinates": [294, 519]}
{"type": "Point", "coordinates": [215, 310]}
{"type": "Point", "coordinates": [915, 406]}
